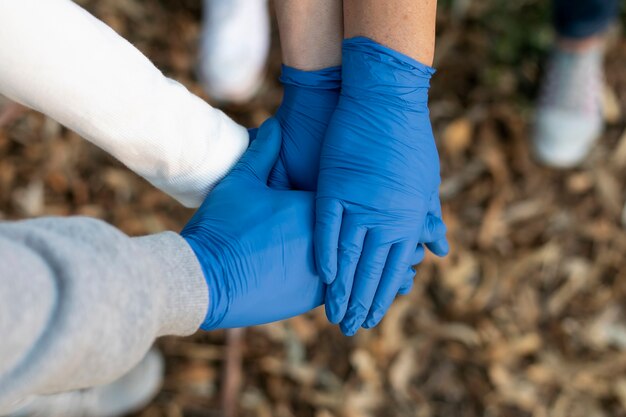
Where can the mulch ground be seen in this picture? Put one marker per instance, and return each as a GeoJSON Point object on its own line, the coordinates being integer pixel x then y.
{"type": "Point", "coordinates": [524, 318]}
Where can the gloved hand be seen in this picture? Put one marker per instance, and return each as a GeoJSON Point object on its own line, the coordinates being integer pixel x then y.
{"type": "Point", "coordinates": [378, 180]}
{"type": "Point", "coordinates": [309, 99]}
{"type": "Point", "coordinates": [255, 244]}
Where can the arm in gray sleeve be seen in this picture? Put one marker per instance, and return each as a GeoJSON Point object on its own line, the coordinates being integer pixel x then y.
{"type": "Point", "coordinates": [81, 303]}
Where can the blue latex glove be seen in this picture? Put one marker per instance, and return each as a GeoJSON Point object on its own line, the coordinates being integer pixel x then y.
{"type": "Point", "coordinates": [255, 244]}
{"type": "Point", "coordinates": [309, 99]}
{"type": "Point", "coordinates": [378, 179]}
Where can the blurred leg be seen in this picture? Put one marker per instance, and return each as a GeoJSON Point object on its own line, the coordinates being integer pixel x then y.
{"type": "Point", "coordinates": [234, 47]}
{"type": "Point", "coordinates": [579, 19]}
{"type": "Point", "coordinates": [569, 117]}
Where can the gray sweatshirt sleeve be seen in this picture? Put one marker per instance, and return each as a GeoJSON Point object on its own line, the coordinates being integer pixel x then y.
{"type": "Point", "coordinates": [81, 303]}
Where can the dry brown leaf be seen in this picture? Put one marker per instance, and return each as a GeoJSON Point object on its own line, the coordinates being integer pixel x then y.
{"type": "Point", "coordinates": [457, 136]}
{"type": "Point", "coordinates": [610, 191]}
{"type": "Point", "coordinates": [619, 155]}
{"type": "Point", "coordinates": [611, 106]}
{"type": "Point", "coordinates": [402, 370]}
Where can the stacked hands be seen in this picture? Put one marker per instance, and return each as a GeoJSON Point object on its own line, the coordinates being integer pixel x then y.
{"type": "Point", "coordinates": [340, 210]}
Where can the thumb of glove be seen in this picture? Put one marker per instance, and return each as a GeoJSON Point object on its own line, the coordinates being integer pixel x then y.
{"type": "Point", "coordinates": [262, 154]}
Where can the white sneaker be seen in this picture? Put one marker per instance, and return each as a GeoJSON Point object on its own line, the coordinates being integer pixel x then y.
{"type": "Point", "coordinates": [569, 117]}
{"type": "Point", "coordinates": [234, 48]}
{"type": "Point", "coordinates": [128, 394]}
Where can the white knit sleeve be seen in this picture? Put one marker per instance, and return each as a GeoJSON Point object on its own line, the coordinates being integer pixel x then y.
{"type": "Point", "coordinates": [58, 59]}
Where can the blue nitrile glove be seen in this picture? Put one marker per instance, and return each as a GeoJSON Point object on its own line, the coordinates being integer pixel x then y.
{"type": "Point", "coordinates": [255, 244]}
{"type": "Point", "coordinates": [379, 177]}
{"type": "Point", "coordinates": [309, 99]}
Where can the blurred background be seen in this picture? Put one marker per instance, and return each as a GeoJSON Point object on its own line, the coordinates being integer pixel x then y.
{"type": "Point", "coordinates": [525, 317]}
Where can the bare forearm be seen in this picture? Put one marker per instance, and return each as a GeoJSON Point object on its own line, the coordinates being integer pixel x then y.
{"type": "Point", "coordinates": [408, 26]}
{"type": "Point", "coordinates": [310, 32]}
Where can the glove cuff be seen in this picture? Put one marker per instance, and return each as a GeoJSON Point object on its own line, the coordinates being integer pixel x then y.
{"type": "Point", "coordinates": [315, 91]}
{"type": "Point", "coordinates": [324, 79]}
{"type": "Point", "coordinates": [376, 72]}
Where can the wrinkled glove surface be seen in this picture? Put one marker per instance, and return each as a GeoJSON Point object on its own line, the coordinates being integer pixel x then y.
{"type": "Point", "coordinates": [255, 243]}
{"type": "Point", "coordinates": [378, 180]}
{"type": "Point", "coordinates": [309, 99]}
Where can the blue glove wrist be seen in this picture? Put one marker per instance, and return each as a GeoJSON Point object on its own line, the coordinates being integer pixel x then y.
{"type": "Point", "coordinates": [372, 71]}
{"type": "Point", "coordinates": [313, 81]}
{"type": "Point", "coordinates": [310, 97]}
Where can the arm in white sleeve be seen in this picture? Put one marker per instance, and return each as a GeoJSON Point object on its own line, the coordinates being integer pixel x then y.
{"type": "Point", "coordinates": [58, 59]}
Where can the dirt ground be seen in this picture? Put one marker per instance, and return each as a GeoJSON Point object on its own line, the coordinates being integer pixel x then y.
{"type": "Point", "coordinates": [524, 318]}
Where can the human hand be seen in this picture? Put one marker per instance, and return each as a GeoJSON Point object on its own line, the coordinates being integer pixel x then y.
{"type": "Point", "coordinates": [309, 99]}
{"type": "Point", "coordinates": [378, 180]}
{"type": "Point", "coordinates": [255, 244]}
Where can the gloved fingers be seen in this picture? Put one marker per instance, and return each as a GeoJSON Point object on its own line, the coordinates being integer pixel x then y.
{"type": "Point", "coordinates": [349, 251]}
{"type": "Point", "coordinates": [393, 279]}
{"type": "Point", "coordinates": [262, 153]}
{"type": "Point", "coordinates": [409, 280]}
{"type": "Point", "coordinates": [278, 177]}
{"type": "Point", "coordinates": [366, 282]}
{"type": "Point", "coordinates": [434, 204]}
{"type": "Point", "coordinates": [433, 229]}
{"type": "Point", "coordinates": [436, 242]}
{"type": "Point", "coordinates": [328, 218]}
{"type": "Point", "coordinates": [418, 257]}
{"type": "Point", "coordinates": [440, 247]}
